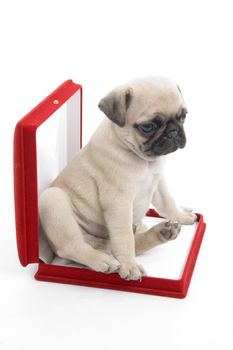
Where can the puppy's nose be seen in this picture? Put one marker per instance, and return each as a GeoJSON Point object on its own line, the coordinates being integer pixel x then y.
{"type": "Point", "coordinates": [172, 133]}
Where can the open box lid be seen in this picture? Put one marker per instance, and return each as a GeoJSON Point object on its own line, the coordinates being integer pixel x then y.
{"type": "Point", "coordinates": [67, 99]}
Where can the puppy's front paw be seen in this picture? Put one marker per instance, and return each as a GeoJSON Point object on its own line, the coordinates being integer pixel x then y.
{"type": "Point", "coordinates": [169, 231]}
{"type": "Point", "coordinates": [130, 270]}
{"type": "Point", "coordinates": [186, 217]}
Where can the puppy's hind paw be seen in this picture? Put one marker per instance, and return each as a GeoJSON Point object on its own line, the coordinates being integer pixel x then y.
{"type": "Point", "coordinates": [170, 230]}
{"type": "Point", "coordinates": [105, 263]}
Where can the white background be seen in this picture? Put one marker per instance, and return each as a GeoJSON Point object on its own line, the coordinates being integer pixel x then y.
{"type": "Point", "coordinates": [100, 44]}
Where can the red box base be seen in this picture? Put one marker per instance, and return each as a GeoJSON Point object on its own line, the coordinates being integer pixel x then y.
{"type": "Point", "coordinates": [148, 285]}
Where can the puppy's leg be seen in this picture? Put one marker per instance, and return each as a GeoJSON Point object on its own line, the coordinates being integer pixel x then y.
{"type": "Point", "coordinates": [139, 228]}
{"type": "Point", "coordinates": [118, 219]}
{"type": "Point", "coordinates": [66, 236]}
{"type": "Point", "coordinates": [156, 235]}
{"type": "Point", "coordinates": [166, 206]}
{"type": "Point", "coordinates": [145, 238]}
{"type": "Point", "coordinates": [102, 244]}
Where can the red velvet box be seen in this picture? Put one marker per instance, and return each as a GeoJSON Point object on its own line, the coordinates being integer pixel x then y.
{"type": "Point", "coordinates": [38, 157]}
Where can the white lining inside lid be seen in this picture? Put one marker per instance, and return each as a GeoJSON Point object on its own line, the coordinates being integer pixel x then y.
{"type": "Point", "coordinates": [57, 143]}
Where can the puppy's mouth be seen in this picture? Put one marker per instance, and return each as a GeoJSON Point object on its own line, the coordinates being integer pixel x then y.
{"type": "Point", "coordinates": [165, 145]}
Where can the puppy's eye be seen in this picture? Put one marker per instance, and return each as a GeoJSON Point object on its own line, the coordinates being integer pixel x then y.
{"type": "Point", "coordinates": [147, 127]}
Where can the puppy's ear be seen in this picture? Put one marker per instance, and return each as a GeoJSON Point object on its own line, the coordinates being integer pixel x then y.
{"type": "Point", "coordinates": [115, 105]}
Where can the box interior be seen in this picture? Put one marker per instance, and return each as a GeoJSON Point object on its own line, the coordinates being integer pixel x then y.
{"type": "Point", "coordinates": [58, 140]}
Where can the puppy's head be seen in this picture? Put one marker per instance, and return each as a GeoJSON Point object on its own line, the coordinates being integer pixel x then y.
{"type": "Point", "coordinates": [148, 116]}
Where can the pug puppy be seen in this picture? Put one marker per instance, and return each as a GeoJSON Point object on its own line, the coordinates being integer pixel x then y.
{"type": "Point", "coordinates": [92, 212]}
